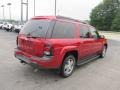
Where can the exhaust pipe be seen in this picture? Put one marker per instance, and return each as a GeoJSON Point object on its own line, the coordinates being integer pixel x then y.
{"type": "Point", "coordinates": [23, 62]}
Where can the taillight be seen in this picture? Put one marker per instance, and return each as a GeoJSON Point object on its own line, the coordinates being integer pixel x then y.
{"type": "Point", "coordinates": [48, 50]}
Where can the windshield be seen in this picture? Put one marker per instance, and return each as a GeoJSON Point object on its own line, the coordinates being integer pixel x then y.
{"type": "Point", "coordinates": [36, 28]}
{"type": "Point", "coordinates": [1, 23]}
{"type": "Point", "coordinates": [5, 23]}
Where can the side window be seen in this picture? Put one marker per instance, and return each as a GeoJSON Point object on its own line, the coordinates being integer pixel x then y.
{"type": "Point", "coordinates": [84, 31]}
{"type": "Point", "coordinates": [63, 30]}
{"type": "Point", "coordinates": [94, 33]}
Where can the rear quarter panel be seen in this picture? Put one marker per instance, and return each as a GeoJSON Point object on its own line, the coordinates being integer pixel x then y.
{"type": "Point", "coordinates": [62, 46]}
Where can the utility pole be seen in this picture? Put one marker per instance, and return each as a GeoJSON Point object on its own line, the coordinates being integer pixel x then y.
{"type": "Point", "coordinates": [27, 10]}
{"type": "Point", "coordinates": [21, 10]}
{"type": "Point", "coordinates": [9, 4]}
{"type": "Point", "coordinates": [34, 7]}
{"type": "Point", "coordinates": [3, 12]}
{"type": "Point", "coordinates": [55, 7]}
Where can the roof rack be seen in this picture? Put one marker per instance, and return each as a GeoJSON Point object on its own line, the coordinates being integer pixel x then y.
{"type": "Point", "coordinates": [68, 18]}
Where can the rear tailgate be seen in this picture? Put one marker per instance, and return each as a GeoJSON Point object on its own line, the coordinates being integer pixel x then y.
{"type": "Point", "coordinates": [33, 46]}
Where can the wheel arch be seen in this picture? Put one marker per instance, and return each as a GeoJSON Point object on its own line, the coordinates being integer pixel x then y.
{"type": "Point", "coordinates": [72, 52]}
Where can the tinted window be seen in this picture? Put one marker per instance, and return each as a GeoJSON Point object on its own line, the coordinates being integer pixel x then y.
{"type": "Point", "coordinates": [84, 31]}
{"type": "Point", "coordinates": [94, 33]}
{"type": "Point", "coordinates": [36, 28]}
{"type": "Point", "coordinates": [63, 30]}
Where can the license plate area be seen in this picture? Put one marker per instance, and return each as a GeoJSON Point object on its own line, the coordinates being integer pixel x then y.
{"type": "Point", "coordinates": [27, 43]}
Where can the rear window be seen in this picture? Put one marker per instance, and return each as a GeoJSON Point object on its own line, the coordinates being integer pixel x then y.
{"type": "Point", "coordinates": [63, 30]}
{"type": "Point", "coordinates": [36, 28]}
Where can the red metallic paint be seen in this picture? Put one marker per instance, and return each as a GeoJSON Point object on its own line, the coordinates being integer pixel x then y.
{"type": "Point", "coordinates": [83, 47]}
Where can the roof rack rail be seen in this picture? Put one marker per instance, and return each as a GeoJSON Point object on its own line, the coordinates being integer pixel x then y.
{"type": "Point", "coordinates": [68, 18]}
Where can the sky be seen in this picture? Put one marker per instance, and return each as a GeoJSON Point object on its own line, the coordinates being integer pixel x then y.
{"type": "Point", "coordinates": [78, 9]}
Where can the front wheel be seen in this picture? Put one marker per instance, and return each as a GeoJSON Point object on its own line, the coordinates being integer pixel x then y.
{"type": "Point", "coordinates": [102, 55]}
{"type": "Point", "coordinates": [68, 66]}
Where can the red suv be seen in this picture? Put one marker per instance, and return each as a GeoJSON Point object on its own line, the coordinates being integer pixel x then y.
{"type": "Point", "coordinates": [55, 42]}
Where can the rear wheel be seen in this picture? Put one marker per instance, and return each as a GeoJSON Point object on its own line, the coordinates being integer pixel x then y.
{"type": "Point", "coordinates": [102, 55]}
{"type": "Point", "coordinates": [68, 66]}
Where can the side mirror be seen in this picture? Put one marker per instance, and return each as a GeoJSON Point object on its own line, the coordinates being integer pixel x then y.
{"type": "Point", "coordinates": [102, 36]}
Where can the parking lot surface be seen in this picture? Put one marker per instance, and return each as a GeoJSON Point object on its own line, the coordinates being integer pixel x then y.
{"type": "Point", "coordinates": [102, 74]}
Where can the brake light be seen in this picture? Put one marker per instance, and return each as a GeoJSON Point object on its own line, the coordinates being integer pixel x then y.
{"type": "Point", "coordinates": [48, 50]}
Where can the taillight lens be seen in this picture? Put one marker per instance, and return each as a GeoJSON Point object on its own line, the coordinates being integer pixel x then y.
{"type": "Point", "coordinates": [48, 50]}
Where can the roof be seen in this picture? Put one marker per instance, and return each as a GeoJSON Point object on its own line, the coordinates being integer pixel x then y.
{"type": "Point", "coordinates": [58, 17]}
{"type": "Point", "coordinates": [44, 17]}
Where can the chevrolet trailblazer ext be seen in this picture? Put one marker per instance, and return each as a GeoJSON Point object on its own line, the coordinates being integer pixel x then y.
{"type": "Point", "coordinates": [55, 42]}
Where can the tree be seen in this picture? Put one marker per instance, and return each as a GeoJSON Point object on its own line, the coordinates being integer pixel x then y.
{"type": "Point", "coordinates": [96, 19]}
{"type": "Point", "coordinates": [103, 14]}
{"type": "Point", "coordinates": [116, 22]}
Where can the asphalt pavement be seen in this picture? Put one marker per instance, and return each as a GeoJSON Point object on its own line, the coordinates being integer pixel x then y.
{"type": "Point", "coordinates": [102, 74]}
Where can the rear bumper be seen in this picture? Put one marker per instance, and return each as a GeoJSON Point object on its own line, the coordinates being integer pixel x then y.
{"type": "Point", "coordinates": [53, 62]}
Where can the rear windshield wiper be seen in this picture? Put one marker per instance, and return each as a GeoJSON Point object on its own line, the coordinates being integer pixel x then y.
{"type": "Point", "coordinates": [30, 36]}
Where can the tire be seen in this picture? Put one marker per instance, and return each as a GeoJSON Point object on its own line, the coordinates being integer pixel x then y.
{"type": "Point", "coordinates": [68, 66]}
{"type": "Point", "coordinates": [103, 53]}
